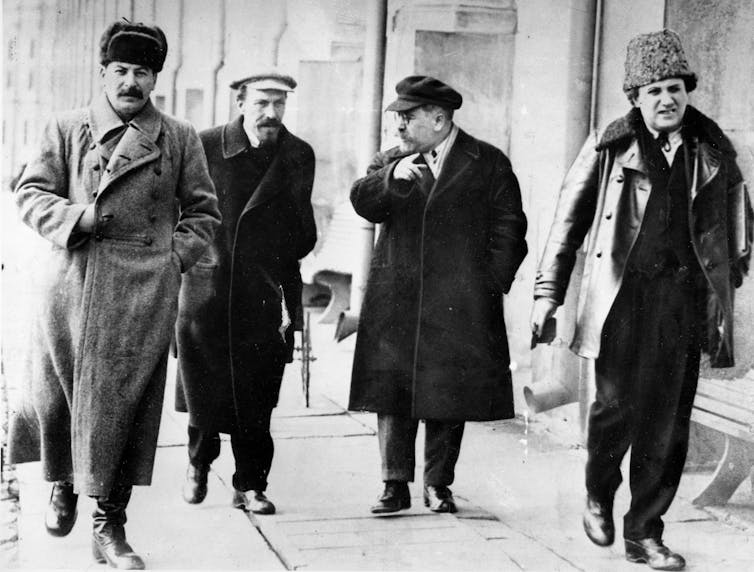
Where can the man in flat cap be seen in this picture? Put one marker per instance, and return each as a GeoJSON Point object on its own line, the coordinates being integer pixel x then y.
{"type": "Point", "coordinates": [123, 194]}
{"type": "Point", "coordinates": [234, 328]}
{"type": "Point", "coordinates": [431, 342]}
{"type": "Point", "coordinates": [668, 217]}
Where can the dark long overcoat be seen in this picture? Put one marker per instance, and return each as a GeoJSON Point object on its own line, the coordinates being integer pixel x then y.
{"type": "Point", "coordinates": [605, 194]}
{"type": "Point", "coordinates": [231, 301]}
{"type": "Point", "coordinates": [431, 342]}
{"type": "Point", "coordinates": [108, 301]}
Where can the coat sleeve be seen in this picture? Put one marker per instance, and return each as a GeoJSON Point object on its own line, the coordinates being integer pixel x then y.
{"type": "Point", "coordinates": [42, 193]}
{"type": "Point", "coordinates": [507, 245]}
{"type": "Point", "coordinates": [308, 236]}
{"type": "Point", "coordinates": [573, 218]}
{"type": "Point", "coordinates": [376, 195]}
{"type": "Point", "coordinates": [740, 231]}
{"type": "Point", "coordinates": [199, 215]}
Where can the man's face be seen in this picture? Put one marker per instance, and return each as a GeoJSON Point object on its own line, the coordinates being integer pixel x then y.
{"type": "Point", "coordinates": [663, 104]}
{"type": "Point", "coordinates": [263, 111]}
{"type": "Point", "coordinates": [127, 87]}
{"type": "Point", "coordinates": [418, 130]}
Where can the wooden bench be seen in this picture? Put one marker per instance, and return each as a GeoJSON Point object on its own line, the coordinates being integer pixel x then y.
{"type": "Point", "coordinates": [727, 406]}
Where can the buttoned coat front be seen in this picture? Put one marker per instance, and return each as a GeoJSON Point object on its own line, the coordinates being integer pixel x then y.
{"type": "Point", "coordinates": [108, 299]}
{"type": "Point", "coordinates": [431, 342]}
{"type": "Point", "coordinates": [605, 194]}
{"type": "Point", "coordinates": [230, 313]}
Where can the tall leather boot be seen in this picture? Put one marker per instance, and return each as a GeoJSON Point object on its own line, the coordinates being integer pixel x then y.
{"type": "Point", "coordinates": [109, 536]}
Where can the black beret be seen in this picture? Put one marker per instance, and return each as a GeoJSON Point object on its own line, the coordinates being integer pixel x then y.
{"type": "Point", "coordinates": [133, 43]}
{"type": "Point", "coordinates": [416, 90]}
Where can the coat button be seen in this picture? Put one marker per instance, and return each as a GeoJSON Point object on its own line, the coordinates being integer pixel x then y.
{"type": "Point", "coordinates": [96, 167]}
{"type": "Point", "coordinates": [94, 194]}
{"type": "Point", "coordinates": [93, 146]}
{"type": "Point", "coordinates": [152, 217]}
{"type": "Point", "coordinates": [599, 254]}
{"type": "Point", "coordinates": [608, 216]}
{"type": "Point", "coordinates": [709, 265]}
{"type": "Point", "coordinates": [619, 179]}
{"type": "Point", "coordinates": [157, 171]}
{"type": "Point", "coordinates": [148, 240]}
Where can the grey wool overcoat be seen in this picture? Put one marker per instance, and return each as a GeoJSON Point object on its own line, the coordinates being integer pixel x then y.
{"type": "Point", "coordinates": [431, 342]}
{"type": "Point", "coordinates": [98, 353]}
{"type": "Point", "coordinates": [230, 311]}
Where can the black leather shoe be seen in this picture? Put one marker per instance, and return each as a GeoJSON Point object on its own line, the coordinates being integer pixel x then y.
{"type": "Point", "coordinates": [195, 487]}
{"type": "Point", "coordinates": [253, 501]}
{"type": "Point", "coordinates": [439, 499]}
{"type": "Point", "coordinates": [395, 497]}
{"type": "Point", "coordinates": [598, 522]}
{"type": "Point", "coordinates": [61, 512]}
{"type": "Point", "coordinates": [653, 552]}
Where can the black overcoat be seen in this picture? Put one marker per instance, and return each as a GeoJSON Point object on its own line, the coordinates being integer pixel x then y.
{"type": "Point", "coordinates": [230, 306]}
{"type": "Point", "coordinates": [431, 342]}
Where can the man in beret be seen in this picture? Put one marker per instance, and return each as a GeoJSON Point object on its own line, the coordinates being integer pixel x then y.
{"type": "Point", "coordinates": [431, 341]}
{"type": "Point", "coordinates": [234, 331]}
{"type": "Point", "coordinates": [668, 217]}
{"type": "Point", "coordinates": [123, 194]}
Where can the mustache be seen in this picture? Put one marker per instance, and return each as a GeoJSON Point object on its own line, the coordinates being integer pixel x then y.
{"type": "Point", "coordinates": [131, 92]}
{"type": "Point", "coordinates": [269, 123]}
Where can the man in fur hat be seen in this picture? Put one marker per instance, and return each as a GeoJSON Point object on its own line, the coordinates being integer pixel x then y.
{"type": "Point", "coordinates": [668, 217]}
{"type": "Point", "coordinates": [103, 190]}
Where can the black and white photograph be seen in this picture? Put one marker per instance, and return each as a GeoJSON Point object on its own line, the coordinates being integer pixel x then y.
{"type": "Point", "coordinates": [377, 285]}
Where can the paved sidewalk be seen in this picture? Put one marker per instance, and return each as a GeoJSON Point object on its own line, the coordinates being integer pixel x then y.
{"type": "Point", "coordinates": [519, 490]}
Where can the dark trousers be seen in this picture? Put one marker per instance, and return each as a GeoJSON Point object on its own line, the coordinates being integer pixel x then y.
{"type": "Point", "coordinates": [646, 377]}
{"type": "Point", "coordinates": [442, 445]}
{"type": "Point", "coordinates": [253, 451]}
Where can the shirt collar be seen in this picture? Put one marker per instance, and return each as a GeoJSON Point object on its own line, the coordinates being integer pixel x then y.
{"type": "Point", "coordinates": [436, 157]}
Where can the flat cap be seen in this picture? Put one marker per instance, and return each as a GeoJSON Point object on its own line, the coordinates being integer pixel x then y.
{"type": "Point", "coordinates": [133, 43]}
{"type": "Point", "coordinates": [416, 90]}
{"type": "Point", "coordinates": [266, 79]}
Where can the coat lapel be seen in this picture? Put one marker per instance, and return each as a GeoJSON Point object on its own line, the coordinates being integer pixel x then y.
{"type": "Point", "coordinates": [458, 163]}
{"type": "Point", "coordinates": [274, 179]}
{"type": "Point", "coordinates": [706, 165]}
{"type": "Point", "coordinates": [136, 147]}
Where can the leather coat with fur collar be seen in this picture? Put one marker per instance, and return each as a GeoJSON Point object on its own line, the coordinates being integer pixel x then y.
{"type": "Point", "coordinates": [605, 194]}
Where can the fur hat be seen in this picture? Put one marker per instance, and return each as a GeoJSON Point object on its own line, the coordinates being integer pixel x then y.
{"type": "Point", "coordinates": [133, 43]}
{"type": "Point", "coordinates": [656, 56]}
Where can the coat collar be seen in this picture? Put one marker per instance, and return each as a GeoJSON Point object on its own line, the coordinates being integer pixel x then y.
{"type": "Point", "coordinates": [103, 119]}
{"type": "Point", "coordinates": [705, 140]}
{"type": "Point", "coordinates": [695, 125]}
{"type": "Point", "coordinates": [464, 151]}
{"type": "Point", "coordinates": [235, 141]}
{"type": "Point", "coordinates": [137, 146]}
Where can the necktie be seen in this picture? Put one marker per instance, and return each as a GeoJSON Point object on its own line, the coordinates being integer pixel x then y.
{"type": "Point", "coordinates": [663, 141]}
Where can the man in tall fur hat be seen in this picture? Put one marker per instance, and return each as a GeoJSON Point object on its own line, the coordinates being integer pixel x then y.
{"type": "Point", "coordinates": [668, 217]}
{"type": "Point", "coordinates": [103, 190]}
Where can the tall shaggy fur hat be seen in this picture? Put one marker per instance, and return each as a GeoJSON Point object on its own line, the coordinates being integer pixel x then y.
{"type": "Point", "coordinates": [133, 43]}
{"type": "Point", "coordinates": [656, 56]}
